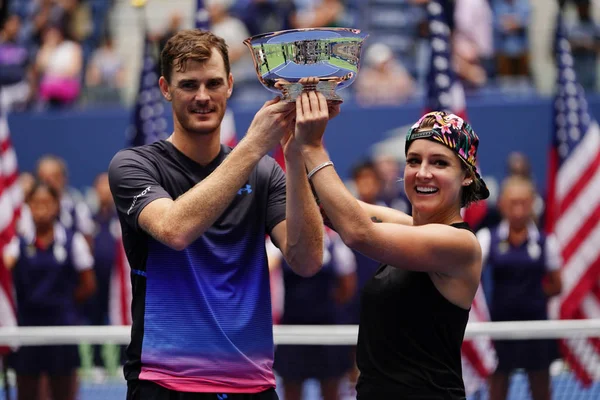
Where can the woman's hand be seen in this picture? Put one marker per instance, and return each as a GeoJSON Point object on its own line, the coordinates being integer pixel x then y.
{"type": "Point", "coordinates": [312, 116]}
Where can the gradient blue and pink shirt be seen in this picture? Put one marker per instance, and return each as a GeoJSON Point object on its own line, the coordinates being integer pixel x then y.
{"type": "Point", "coordinates": [201, 316]}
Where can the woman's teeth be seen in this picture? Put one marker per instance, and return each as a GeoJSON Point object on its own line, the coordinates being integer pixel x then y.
{"type": "Point", "coordinates": [426, 190]}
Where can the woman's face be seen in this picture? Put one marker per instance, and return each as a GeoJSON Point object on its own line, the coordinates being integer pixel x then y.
{"type": "Point", "coordinates": [433, 177]}
{"type": "Point", "coordinates": [53, 36]}
{"type": "Point", "coordinates": [516, 204]}
{"type": "Point", "coordinates": [44, 207]}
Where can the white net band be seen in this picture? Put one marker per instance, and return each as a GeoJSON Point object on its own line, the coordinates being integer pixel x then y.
{"type": "Point", "coordinates": [302, 334]}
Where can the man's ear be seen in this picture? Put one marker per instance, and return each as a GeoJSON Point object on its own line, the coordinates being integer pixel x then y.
{"type": "Point", "coordinates": [164, 88]}
{"type": "Point", "coordinates": [230, 83]}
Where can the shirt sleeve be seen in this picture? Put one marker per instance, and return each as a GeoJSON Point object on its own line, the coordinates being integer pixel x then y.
{"type": "Point", "coordinates": [485, 241]}
{"type": "Point", "coordinates": [344, 259]}
{"type": "Point", "coordinates": [85, 223]}
{"type": "Point", "coordinates": [276, 199]}
{"type": "Point", "coordinates": [134, 185]}
{"type": "Point", "coordinates": [82, 256]}
{"type": "Point", "coordinates": [12, 249]}
{"type": "Point", "coordinates": [553, 258]}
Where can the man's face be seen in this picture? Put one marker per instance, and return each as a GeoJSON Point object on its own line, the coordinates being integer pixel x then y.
{"type": "Point", "coordinates": [52, 174]}
{"type": "Point", "coordinates": [12, 27]}
{"type": "Point", "coordinates": [368, 185]}
{"type": "Point", "coordinates": [199, 95]}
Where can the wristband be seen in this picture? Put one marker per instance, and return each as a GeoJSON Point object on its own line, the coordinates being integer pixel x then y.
{"type": "Point", "coordinates": [319, 167]}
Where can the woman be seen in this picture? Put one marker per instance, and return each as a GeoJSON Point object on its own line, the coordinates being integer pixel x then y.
{"type": "Point", "coordinates": [51, 274]}
{"type": "Point", "coordinates": [59, 65]}
{"type": "Point", "coordinates": [414, 310]}
{"type": "Point", "coordinates": [524, 265]}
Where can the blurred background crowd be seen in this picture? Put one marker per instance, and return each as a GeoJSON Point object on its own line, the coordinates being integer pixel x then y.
{"type": "Point", "coordinates": [72, 53]}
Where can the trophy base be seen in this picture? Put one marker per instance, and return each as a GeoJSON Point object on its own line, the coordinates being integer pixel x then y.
{"type": "Point", "coordinates": [291, 91]}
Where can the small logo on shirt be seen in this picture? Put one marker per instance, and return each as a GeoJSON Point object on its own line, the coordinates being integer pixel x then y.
{"type": "Point", "coordinates": [30, 251]}
{"type": "Point", "coordinates": [247, 189]}
{"type": "Point", "coordinates": [222, 396]}
{"type": "Point", "coordinates": [503, 247]}
{"type": "Point", "coordinates": [144, 192]}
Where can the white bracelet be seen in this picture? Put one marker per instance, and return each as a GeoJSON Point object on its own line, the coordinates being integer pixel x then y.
{"type": "Point", "coordinates": [319, 167]}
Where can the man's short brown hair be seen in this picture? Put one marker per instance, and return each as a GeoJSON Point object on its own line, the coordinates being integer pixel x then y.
{"type": "Point", "coordinates": [191, 44]}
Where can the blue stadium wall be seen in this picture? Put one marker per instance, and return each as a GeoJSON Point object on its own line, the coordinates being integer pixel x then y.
{"type": "Point", "coordinates": [88, 139]}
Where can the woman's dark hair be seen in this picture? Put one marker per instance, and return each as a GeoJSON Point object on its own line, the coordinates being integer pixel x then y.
{"type": "Point", "coordinates": [470, 194]}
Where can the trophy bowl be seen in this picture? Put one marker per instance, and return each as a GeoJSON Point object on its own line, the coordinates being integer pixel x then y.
{"type": "Point", "coordinates": [292, 61]}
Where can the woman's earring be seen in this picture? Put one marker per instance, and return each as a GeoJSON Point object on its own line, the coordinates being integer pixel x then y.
{"type": "Point", "coordinates": [467, 183]}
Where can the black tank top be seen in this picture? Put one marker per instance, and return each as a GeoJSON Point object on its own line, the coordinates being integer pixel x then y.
{"type": "Point", "coordinates": [409, 338]}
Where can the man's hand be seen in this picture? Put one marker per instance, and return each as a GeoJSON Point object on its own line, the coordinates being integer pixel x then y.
{"type": "Point", "coordinates": [334, 109]}
{"type": "Point", "coordinates": [271, 124]}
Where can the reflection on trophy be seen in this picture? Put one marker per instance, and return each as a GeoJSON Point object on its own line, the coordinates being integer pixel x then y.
{"type": "Point", "coordinates": [293, 61]}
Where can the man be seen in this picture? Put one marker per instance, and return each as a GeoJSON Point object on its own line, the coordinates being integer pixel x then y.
{"type": "Point", "coordinates": [194, 216]}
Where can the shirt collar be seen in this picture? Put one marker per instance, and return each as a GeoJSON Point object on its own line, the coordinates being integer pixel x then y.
{"type": "Point", "coordinates": [533, 232]}
{"type": "Point", "coordinates": [60, 235]}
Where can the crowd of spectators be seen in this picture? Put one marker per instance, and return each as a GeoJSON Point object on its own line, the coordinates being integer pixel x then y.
{"type": "Point", "coordinates": [56, 53]}
{"type": "Point", "coordinates": [61, 53]}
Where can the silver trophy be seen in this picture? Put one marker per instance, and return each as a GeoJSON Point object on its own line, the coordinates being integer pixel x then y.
{"type": "Point", "coordinates": [290, 62]}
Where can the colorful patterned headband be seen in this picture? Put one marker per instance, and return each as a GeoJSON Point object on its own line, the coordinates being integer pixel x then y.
{"type": "Point", "coordinates": [453, 132]}
{"type": "Point", "coordinates": [450, 130]}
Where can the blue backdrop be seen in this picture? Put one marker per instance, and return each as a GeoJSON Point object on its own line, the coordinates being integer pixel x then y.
{"type": "Point", "coordinates": [88, 139]}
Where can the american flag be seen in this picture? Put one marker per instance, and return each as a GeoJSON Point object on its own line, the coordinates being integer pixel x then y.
{"type": "Point", "coordinates": [148, 125]}
{"type": "Point", "coordinates": [149, 122]}
{"type": "Point", "coordinates": [120, 289]}
{"type": "Point", "coordinates": [202, 20]}
{"type": "Point", "coordinates": [279, 157]}
{"type": "Point", "coordinates": [11, 199]}
{"type": "Point", "coordinates": [228, 133]}
{"type": "Point", "coordinates": [573, 209]}
{"type": "Point", "coordinates": [445, 92]}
